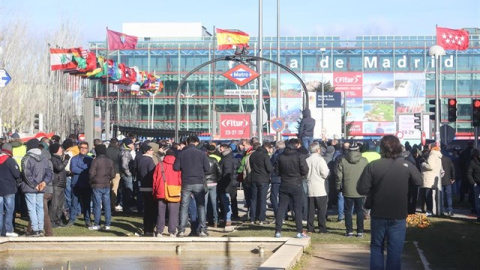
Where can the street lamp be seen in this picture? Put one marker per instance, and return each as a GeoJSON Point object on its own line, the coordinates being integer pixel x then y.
{"type": "Point", "coordinates": [437, 51]}
{"type": "Point", "coordinates": [187, 95]}
{"type": "Point", "coordinates": [322, 50]}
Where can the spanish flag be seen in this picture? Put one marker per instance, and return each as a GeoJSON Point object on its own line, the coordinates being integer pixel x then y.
{"type": "Point", "coordinates": [226, 39]}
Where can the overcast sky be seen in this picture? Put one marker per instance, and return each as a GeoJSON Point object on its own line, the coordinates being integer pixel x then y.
{"type": "Point", "coordinates": [297, 18]}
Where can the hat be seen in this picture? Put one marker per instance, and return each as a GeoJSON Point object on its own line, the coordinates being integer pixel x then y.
{"type": "Point", "coordinates": [67, 144]}
{"type": "Point", "coordinates": [31, 144]}
{"type": "Point", "coordinates": [145, 147]}
{"type": "Point", "coordinates": [211, 148]}
{"type": "Point", "coordinates": [54, 148]}
{"type": "Point", "coordinates": [127, 141]}
{"type": "Point", "coordinates": [100, 149]}
{"type": "Point", "coordinates": [330, 149]}
{"type": "Point", "coordinates": [15, 136]}
{"type": "Point", "coordinates": [353, 147]}
{"type": "Point", "coordinates": [7, 149]}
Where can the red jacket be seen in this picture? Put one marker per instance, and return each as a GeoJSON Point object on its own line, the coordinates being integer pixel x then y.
{"type": "Point", "coordinates": [172, 177]}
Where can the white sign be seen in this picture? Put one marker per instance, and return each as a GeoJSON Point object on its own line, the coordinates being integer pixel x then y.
{"type": "Point", "coordinates": [4, 78]}
{"type": "Point", "coordinates": [241, 92]}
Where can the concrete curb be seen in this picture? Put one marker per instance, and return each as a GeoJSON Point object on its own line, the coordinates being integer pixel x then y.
{"type": "Point", "coordinates": [287, 255]}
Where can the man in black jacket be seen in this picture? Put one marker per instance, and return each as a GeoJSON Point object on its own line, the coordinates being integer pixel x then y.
{"type": "Point", "coordinates": [145, 169]}
{"type": "Point", "coordinates": [227, 186]}
{"type": "Point", "coordinates": [448, 179]}
{"type": "Point", "coordinates": [193, 163]}
{"type": "Point", "coordinates": [59, 182]}
{"type": "Point", "coordinates": [211, 179]}
{"type": "Point", "coordinates": [101, 172]}
{"type": "Point", "coordinates": [9, 175]}
{"type": "Point", "coordinates": [261, 167]}
{"type": "Point", "coordinates": [305, 130]}
{"type": "Point", "coordinates": [115, 154]}
{"type": "Point", "coordinates": [386, 183]}
{"type": "Point", "coordinates": [292, 167]}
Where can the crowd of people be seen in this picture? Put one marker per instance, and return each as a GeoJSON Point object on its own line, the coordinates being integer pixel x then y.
{"type": "Point", "coordinates": [175, 184]}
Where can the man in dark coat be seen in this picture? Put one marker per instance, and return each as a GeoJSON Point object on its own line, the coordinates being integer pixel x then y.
{"type": "Point", "coordinates": [115, 154]}
{"type": "Point", "coordinates": [305, 131]}
{"type": "Point", "coordinates": [145, 170]}
{"type": "Point", "coordinates": [9, 174]}
{"type": "Point", "coordinates": [59, 162]}
{"type": "Point", "coordinates": [261, 167]}
{"type": "Point", "coordinates": [448, 179]}
{"type": "Point", "coordinates": [227, 186]}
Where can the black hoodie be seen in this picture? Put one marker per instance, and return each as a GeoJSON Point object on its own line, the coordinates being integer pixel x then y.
{"type": "Point", "coordinates": [9, 173]}
{"type": "Point", "coordinates": [291, 166]}
{"type": "Point", "coordinates": [306, 125]}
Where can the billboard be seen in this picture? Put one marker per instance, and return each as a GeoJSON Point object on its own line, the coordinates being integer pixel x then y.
{"type": "Point", "coordinates": [234, 125]}
{"type": "Point", "coordinates": [350, 83]}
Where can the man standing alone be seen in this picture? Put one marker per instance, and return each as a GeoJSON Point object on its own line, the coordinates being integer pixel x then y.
{"type": "Point", "coordinates": [386, 182]}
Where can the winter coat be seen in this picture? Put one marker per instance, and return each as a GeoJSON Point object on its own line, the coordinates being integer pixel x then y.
{"type": "Point", "coordinates": [432, 169]}
{"type": "Point", "coordinates": [127, 164]}
{"type": "Point", "coordinates": [9, 173]}
{"type": "Point", "coordinates": [172, 177]}
{"type": "Point", "coordinates": [317, 176]}
{"type": "Point", "coordinates": [115, 154]}
{"type": "Point", "coordinates": [215, 173]}
{"type": "Point", "coordinates": [101, 172]}
{"type": "Point", "coordinates": [193, 163]}
{"type": "Point", "coordinates": [449, 170]}
{"type": "Point", "coordinates": [35, 169]}
{"type": "Point", "coordinates": [348, 172]}
{"type": "Point", "coordinates": [79, 166]}
{"type": "Point", "coordinates": [291, 166]}
{"type": "Point", "coordinates": [145, 169]}
{"type": "Point", "coordinates": [59, 172]}
{"type": "Point", "coordinates": [228, 182]}
{"type": "Point", "coordinates": [306, 125]}
{"type": "Point", "coordinates": [275, 178]}
{"type": "Point", "coordinates": [473, 172]}
{"type": "Point", "coordinates": [386, 183]}
{"type": "Point", "coordinates": [261, 166]}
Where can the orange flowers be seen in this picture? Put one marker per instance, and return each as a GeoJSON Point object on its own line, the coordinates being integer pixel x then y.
{"type": "Point", "coordinates": [418, 221]}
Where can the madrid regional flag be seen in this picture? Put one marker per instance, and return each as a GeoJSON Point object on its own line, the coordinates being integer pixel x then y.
{"type": "Point", "coordinates": [120, 41]}
{"type": "Point", "coordinates": [452, 39]}
{"type": "Point", "coordinates": [226, 39]}
{"type": "Point", "coordinates": [61, 59]}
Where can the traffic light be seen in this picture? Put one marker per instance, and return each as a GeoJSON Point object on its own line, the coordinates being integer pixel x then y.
{"type": "Point", "coordinates": [38, 122]}
{"type": "Point", "coordinates": [432, 108]}
{"type": "Point", "coordinates": [417, 119]}
{"type": "Point", "coordinates": [452, 110]}
{"type": "Point", "coordinates": [475, 112]}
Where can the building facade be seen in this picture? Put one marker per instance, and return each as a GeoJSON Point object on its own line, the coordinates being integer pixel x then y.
{"type": "Point", "coordinates": [382, 81]}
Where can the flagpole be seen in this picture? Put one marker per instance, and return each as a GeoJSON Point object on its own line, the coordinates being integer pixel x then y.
{"type": "Point", "coordinates": [107, 109]}
{"type": "Point", "coordinates": [260, 67]}
{"type": "Point", "coordinates": [211, 108]}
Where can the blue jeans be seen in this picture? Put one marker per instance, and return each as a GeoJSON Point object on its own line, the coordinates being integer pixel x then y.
{"type": "Point", "coordinates": [306, 141]}
{"type": "Point", "coordinates": [212, 194]}
{"type": "Point", "coordinates": [274, 190]}
{"type": "Point", "coordinates": [68, 194]}
{"type": "Point", "coordinates": [477, 198]}
{"type": "Point", "coordinates": [341, 206]}
{"type": "Point", "coordinates": [393, 231]}
{"type": "Point", "coordinates": [259, 201]}
{"type": "Point", "coordinates": [102, 195]}
{"type": "Point", "coordinates": [305, 200]}
{"type": "Point", "coordinates": [7, 207]}
{"type": "Point", "coordinates": [35, 210]}
{"type": "Point", "coordinates": [447, 195]}
{"type": "Point", "coordinates": [198, 192]}
{"type": "Point", "coordinates": [227, 207]}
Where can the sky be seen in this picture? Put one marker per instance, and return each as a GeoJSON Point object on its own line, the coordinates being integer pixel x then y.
{"type": "Point", "coordinates": [346, 19]}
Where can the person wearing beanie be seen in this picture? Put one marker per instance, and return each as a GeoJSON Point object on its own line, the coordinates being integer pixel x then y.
{"type": "Point", "coordinates": [126, 172]}
{"type": "Point", "coordinates": [59, 182]}
{"type": "Point", "coordinates": [211, 179]}
{"type": "Point", "coordinates": [101, 172]}
{"type": "Point", "coordinates": [9, 176]}
{"type": "Point", "coordinates": [37, 173]}
{"type": "Point", "coordinates": [348, 173]}
{"type": "Point", "coordinates": [145, 167]}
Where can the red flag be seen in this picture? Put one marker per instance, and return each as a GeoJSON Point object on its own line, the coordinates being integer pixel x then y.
{"type": "Point", "coordinates": [120, 41]}
{"type": "Point", "coordinates": [61, 59]}
{"type": "Point", "coordinates": [452, 39]}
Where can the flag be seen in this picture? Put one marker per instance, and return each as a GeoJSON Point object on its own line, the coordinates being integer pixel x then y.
{"type": "Point", "coordinates": [452, 39]}
{"type": "Point", "coordinates": [120, 41]}
{"type": "Point", "coordinates": [226, 39]}
{"type": "Point", "coordinates": [61, 59]}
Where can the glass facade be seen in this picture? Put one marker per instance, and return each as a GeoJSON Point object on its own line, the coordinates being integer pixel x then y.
{"type": "Point", "coordinates": [393, 76]}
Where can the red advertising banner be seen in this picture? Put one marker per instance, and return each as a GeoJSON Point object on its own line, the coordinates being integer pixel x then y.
{"type": "Point", "coordinates": [355, 129]}
{"type": "Point", "coordinates": [349, 82]}
{"type": "Point", "coordinates": [234, 125]}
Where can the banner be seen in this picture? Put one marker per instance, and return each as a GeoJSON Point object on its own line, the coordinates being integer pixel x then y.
{"type": "Point", "coordinates": [234, 125]}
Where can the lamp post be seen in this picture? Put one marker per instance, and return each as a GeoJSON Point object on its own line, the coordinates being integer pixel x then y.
{"type": "Point", "coordinates": [279, 133]}
{"type": "Point", "coordinates": [188, 96]}
{"type": "Point", "coordinates": [322, 50]}
{"type": "Point", "coordinates": [437, 51]}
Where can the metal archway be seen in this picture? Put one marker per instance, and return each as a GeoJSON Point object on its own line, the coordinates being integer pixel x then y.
{"type": "Point", "coordinates": [241, 59]}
